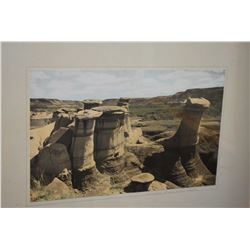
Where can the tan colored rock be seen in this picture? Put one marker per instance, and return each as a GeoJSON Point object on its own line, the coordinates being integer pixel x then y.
{"type": "Point", "coordinates": [140, 183]}
{"type": "Point", "coordinates": [187, 133]}
{"type": "Point", "coordinates": [184, 142]}
{"type": "Point", "coordinates": [40, 119]}
{"type": "Point", "coordinates": [109, 139]}
{"type": "Point", "coordinates": [134, 136]}
{"type": "Point", "coordinates": [124, 102]}
{"type": "Point", "coordinates": [82, 147]}
{"type": "Point", "coordinates": [170, 185]}
{"type": "Point", "coordinates": [83, 140]}
{"type": "Point", "coordinates": [143, 178]}
{"type": "Point", "coordinates": [157, 186]}
{"type": "Point", "coordinates": [37, 138]}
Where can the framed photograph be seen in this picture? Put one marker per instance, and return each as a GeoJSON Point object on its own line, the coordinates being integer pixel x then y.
{"type": "Point", "coordinates": [125, 124]}
{"type": "Point", "coordinates": [100, 132]}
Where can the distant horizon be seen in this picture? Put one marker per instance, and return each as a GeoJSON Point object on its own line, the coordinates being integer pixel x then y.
{"type": "Point", "coordinates": [79, 85]}
{"type": "Point", "coordinates": [121, 96]}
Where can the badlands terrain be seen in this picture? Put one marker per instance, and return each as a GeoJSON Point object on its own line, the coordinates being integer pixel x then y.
{"type": "Point", "coordinates": [138, 151]}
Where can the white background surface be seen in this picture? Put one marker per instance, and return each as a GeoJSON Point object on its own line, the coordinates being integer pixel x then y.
{"type": "Point", "coordinates": [231, 189]}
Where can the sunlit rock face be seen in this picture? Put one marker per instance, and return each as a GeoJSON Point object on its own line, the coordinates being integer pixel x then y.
{"type": "Point", "coordinates": [109, 139]}
{"type": "Point", "coordinates": [140, 182]}
{"type": "Point", "coordinates": [82, 148]}
{"type": "Point", "coordinates": [124, 102]}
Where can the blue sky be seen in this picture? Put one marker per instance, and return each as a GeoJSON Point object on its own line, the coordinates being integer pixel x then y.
{"type": "Point", "coordinates": [104, 84]}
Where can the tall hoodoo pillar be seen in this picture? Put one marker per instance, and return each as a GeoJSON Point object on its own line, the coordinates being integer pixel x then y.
{"type": "Point", "coordinates": [82, 149]}
{"type": "Point", "coordinates": [109, 139]}
{"type": "Point", "coordinates": [124, 102]}
{"type": "Point", "coordinates": [187, 137]}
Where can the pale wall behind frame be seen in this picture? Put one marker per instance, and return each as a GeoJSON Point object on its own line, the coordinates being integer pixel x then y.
{"type": "Point", "coordinates": [233, 165]}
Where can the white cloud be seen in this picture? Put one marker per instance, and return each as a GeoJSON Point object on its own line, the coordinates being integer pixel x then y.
{"type": "Point", "coordinates": [103, 84]}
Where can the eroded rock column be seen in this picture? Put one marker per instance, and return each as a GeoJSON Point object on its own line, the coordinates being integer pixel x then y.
{"type": "Point", "coordinates": [109, 139]}
{"type": "Point", "coordinates": [184, 142]}
{"type": "Point", "coordinates": [187, 133]}
{"type": "Point", "coordinates": [82, 149]}
{"type": "Point", "coordinates": [124, 102]}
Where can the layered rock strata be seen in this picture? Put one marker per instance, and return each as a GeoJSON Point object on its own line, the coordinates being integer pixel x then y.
{"type": "Point", "coordinates": [184, 143]}
{"type": "Point", "coordinates": [109, 139]}
{"type": "Point", "coordinates": [187, 133]}
{"type": "Point", "coordinates": [82, 149]}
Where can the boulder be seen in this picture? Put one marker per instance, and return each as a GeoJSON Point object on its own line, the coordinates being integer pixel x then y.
{"type": "Point", "coordinates": [143, 178]}
{"type": "Point", "coordinates": [140, 183]}
{"type": "Point", "coordinates": [57, 189]}
{"type": "Point", "coordinates": [157, 186]}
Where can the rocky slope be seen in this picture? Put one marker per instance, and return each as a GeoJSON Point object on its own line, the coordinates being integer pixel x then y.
{"type": "Point", "coordinates": [43, 104]}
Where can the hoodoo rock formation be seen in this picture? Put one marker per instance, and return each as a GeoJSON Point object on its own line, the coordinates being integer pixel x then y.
{"type": "Point", "coordinates": [187, 133]}
{"type": "Point", "coordinates": [95, 151]}
{"type": "Point", "coordinates": [124, 102]}
{"type": "Point", "coordinates": [82, 148]}
{"type": "Point", "coordinates": [190, 170]}
{"type": "Point", "coordinates": [109, 139]}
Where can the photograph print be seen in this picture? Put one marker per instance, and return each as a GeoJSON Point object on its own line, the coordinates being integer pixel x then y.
{"type": "Point", "coordinates": [100, 132]}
